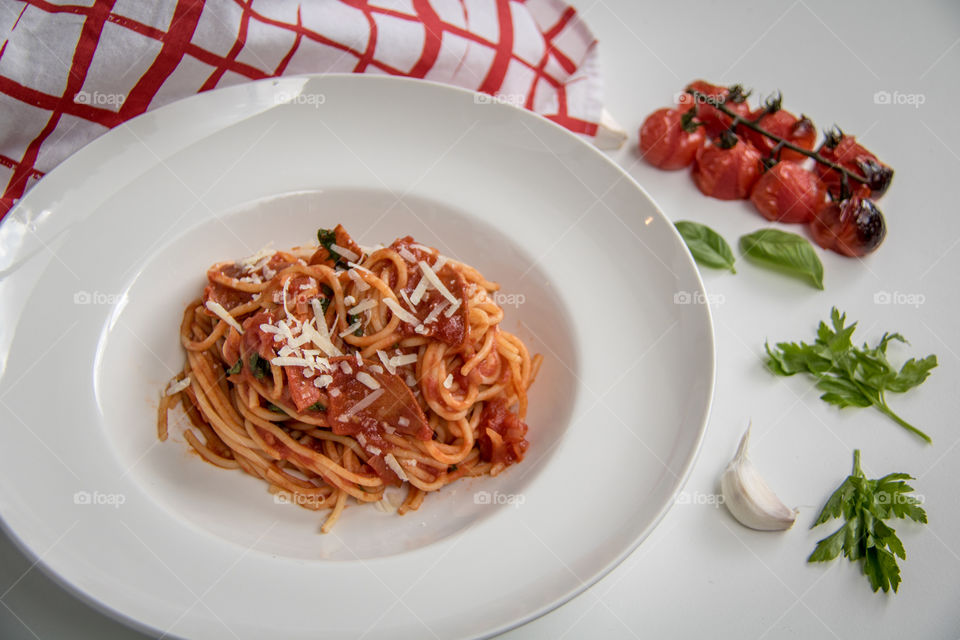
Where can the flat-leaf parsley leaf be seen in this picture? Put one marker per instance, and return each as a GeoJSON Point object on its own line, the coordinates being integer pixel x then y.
{"type": "Point", "coordinates": [850, 376]}
{"type": "Point", "coordinates": [864, 505]}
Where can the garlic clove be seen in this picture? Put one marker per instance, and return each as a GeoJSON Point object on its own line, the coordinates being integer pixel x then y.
{"type": "Point", "coordinates": [748, 496]}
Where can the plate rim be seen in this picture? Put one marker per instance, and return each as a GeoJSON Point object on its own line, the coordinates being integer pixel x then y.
{"type": "Point", "coordinates": [37, 559]}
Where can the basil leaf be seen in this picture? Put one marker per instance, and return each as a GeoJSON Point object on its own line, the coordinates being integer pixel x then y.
{"type": "Point", "coordinates": [707, 246]}
{"type": "Point", "coordinates": [328, 238]}
{"type": "Point", "coordinates": [350, 320]}
{"type": "Point", "coordinates": [316, 406]}
{"type": "Point", "coordinates": [787, 251]}
{"type": "Point", "coordinates": [258, 366]}
{"type": "Point", "coordinates": [235, 369]}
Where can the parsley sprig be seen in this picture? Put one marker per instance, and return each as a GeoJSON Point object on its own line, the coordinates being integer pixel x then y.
{"type": "Point", "coordinates": [864, 505]}
{"type": "Point", "coordinates": [850, 376]}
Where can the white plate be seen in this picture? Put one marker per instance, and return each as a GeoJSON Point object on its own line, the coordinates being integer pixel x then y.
{"type": "Point", "coordinates": [99, 259]}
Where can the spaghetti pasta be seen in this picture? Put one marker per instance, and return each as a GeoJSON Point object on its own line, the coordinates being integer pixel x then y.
{"type": "Point", "coordinates": [333, 372]}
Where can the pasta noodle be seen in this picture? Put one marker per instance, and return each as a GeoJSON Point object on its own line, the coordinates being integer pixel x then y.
{"type": "Point", "coordinates": [333, 372]}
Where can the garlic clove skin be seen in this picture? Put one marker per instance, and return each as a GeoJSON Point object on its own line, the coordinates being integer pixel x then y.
{"type": "Point", "coordinates": [748, 496]}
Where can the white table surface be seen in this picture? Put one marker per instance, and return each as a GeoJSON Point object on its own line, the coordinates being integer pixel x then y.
{"type": "Point", "coordinates": [701, 574]}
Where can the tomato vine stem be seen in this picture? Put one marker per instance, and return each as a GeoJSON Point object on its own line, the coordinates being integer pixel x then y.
{"type": "Point", "coordinates": [718, 103]}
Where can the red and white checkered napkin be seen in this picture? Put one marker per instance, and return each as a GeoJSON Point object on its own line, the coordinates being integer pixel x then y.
{"type": "Point", "coordinates": [72, 69]}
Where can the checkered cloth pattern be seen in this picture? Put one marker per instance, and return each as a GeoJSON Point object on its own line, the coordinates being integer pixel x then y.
{"type": "Point", "coordinates": [72, 69]}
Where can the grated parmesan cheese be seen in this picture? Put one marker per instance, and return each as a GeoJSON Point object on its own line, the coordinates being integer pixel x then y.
{"type": "Point", "coordinates": [395, 466]}
{"type": "Point", "coordinates": [367, 380]}
{"type": "Point", "coordinates": [418, 291]}
{"type": "Point", "coordinates": [217, 309]}
{"type": "Point", "coordinates": [361, 284]}
{"type": "Point", "coordinates": [291, 361]}
{"type": "Point", "coordinates": [434, 279]}
{"type": "Point", "coordinates": [369, 303]}
{"type": "Point", "coordinates": [344, 252]}
{"type": "Point", "coordinates": [407, 255]}
{"type": "Point", "coordinates": [386, 362]}
{"type": "Point", "coordinates": [435, 312]}
{"type": "Point", "coordinates": [265, 253]}
{"type": "Point", "coordinates": [356, 325]}
{"type": "Point", "coordinates": [399, 361]}
{"type": "Point", "coordinates": [367, 400]}
{"type": "Point", "coordinates": [400, 312]}
{"type": "Point", "coordinates": [453, 309]}
{"type": "Point", "coordinates": [178, 386]}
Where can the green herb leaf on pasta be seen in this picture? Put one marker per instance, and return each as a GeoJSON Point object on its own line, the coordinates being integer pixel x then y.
{"type": "Point", "coordinates": [259, 366]}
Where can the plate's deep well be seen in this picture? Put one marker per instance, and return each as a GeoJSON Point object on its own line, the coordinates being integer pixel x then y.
{"type": "Point", "coordinates": [234, 506]}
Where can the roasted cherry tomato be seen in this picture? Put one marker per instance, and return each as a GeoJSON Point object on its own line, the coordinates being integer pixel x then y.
{"type": "Point", "coordinates": [853, 227]}
{"type": "Point", "coordinates": [669, 139]}
{"type": "Point", "coordinates": [844, 150]}
{"type": "Point", "coordinates": [781, 123]}
{"type": "Point", "coordinates": [712, 118]}
{"type": "Point", "coordinates": [727, 168]}
{"type": "Point", "coordinates": [789, 193]}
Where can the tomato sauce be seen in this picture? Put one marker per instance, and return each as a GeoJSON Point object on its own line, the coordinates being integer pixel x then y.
{"type": "Point", "coordinates": [451, 330]}
{"type": "Point", "coordinates": [511, 445]}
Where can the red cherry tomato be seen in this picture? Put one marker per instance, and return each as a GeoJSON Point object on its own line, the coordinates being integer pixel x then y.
{"type": "Point", "coordinates": [854, 227]}
{"type": "Point", "coordinates": [712, 118]}
{"type": "Point", "coordinates": [789, 193]}
{"type": "Point", "coordinates": [727, 174]}
{"type": "Point", "coordinates": [667, 141]}
{"type": "Point", "coordinates": [844, 150]}
{"type": "Point", "coordinates": [782, 123]}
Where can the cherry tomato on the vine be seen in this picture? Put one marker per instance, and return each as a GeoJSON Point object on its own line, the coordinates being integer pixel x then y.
{"type": "Point", "coordinates": [669, 139]}
{"type": "Point", "coordinates": [712, 118]}
{"type": "Point", "coordinates": [799, 131]}
{"type": "Point", "coordinates": [789, 193]}
{"type": "Point", "coordinates": [844, 150]}
{"type": "Point", "coordinates": [853, 227]}
{"type": "Point", "coordinates": [727, 168]}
